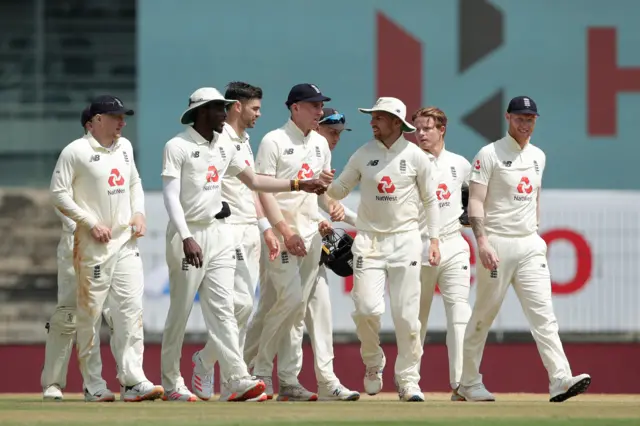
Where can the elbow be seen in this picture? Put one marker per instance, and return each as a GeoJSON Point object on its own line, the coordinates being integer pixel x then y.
{"type": "Point", "coordinates": [334, 192]}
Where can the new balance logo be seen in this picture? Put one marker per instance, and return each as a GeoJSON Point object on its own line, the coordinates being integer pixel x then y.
{"type": "Point", "coordinates": [543, 265]}
{"type": "Point", "coordinates": [465, 267]}
{"type": "Point", "coordinates": [94, 158]}
{"type": "Point", "coordinates": [185, 264]}
{"type": "Point", "coordinates": [288, 151]}
{"type": "Point", "coordinates": [494, 273]}
{"type": "Point", "coordinates": [195, 154]}
{"type": "Point", "coordinates": [414, 263]}
{"type": "Point", "coordinates": [372, 163]}
{"type": "Point", "coordinates": [507, 163]}
{"type": "Point", "coordinates": [237, 147]}
{"type": "Point", "coordinates": [96, 272]}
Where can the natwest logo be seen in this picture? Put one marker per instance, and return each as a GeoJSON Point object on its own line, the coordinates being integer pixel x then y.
{"type": "Point", "coordinates": [305, 172]}
{"type": "Point", "coordinates": [443, 192]}
{"type": "Point", "coordinates": [212, 174]}
{"type": "Point", "coordinates": [386, 185]}
{"type": "Point", "coordinates": [115, 178]}
{"type": "Point", "coordinates": [524, 187]}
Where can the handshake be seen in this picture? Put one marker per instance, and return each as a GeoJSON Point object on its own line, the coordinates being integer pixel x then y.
{"type": "Point", "coordinates": [317, 186]}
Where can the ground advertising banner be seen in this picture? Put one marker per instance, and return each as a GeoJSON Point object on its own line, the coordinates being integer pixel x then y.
{"type": "Point", "coordinates": [594, 248]}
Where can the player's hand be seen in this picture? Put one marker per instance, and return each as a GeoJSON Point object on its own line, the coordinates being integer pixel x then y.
{"type": "Point", "coordinates": [139, 225]}
{"type": "Point", "coordinates": [336, 211]}
{"type": "Point", "coordinates": [101, 233]}
{"type": "Point", "coordinates": [326, 176]}
{"type": "Point", "coordinates": [488, 256]}
{"type": "Point", "coordinates": [295, 245]}
{"type": "Point", "coordinates": [434, 252]}
{"type": "Point", "coordinates": [192, 252]}
{"type": "Point", "coordinates": [313, 186]}
{"type": "Point", "coordinates": [325, 228]}
{"type": "Point", "coordinates": [272, 243]}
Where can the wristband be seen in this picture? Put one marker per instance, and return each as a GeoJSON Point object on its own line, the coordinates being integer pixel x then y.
{"type": "Point", "coordinates": [296, 185]}
{"type": "Point", "coordinates": [263, 224]}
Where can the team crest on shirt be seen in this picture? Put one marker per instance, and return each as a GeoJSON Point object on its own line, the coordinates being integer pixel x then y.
{"type": "Point", "coordinates": [222, 153]}
{"type": "Point", "coordinates": [454, 174]}
{"type": "Point", "coordinates": [403, 167]}
{"type": "Point", "coordinates": [318, 153]}
{"type": "Point", "coordinates": [126, 157]}
{"type": "Point", "coordinates": [536, 167]}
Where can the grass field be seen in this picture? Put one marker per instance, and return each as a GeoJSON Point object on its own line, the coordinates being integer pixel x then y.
{"type": "Point", "coordinates": [510, 409]}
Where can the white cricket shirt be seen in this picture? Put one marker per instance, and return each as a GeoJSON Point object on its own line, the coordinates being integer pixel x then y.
{"type": "Point", "coordinates": [200, 166]}
{"type": "Point", "coordinates": [234, 192]}
{"type": "Point", "coordinates": [287, 153]}
{"type": "Point", "coordinates": [513, 177]}
{"type": "Point", "coordinates": [451, 171]}
{"type": "Point", "coordinates": [393, 183]}
{"type": "Point", "coordinates": [92, 184]}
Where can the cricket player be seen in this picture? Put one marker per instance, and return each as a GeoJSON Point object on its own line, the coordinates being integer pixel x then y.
{"type": "Point", "coordinates": [318, 320]}
{"type": "Point", "coordinates": [504, 212]}
{"type": "Point", "coordinates": [453, 274]}
{"type": "Point", "coordinates": [201, 250]}
{"type": "Point", "coordinates": [294, 150]}
{"type": "Point", "coordinates": [395, 177]}
{"type": "Point", "coordinates": [61, 328]}
{"type": "Point", "coordinates": [97, 185]}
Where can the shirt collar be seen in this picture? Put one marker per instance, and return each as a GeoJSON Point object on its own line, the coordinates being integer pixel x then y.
{"type": "Point", "coordinates": [233, 135]}
{"type": "Point", "coordinates": [399, 144]}
{"type": "Point", "coordinates": [514, 145]}
{"type": "Point", "coordinates": [197, 137]}
{"type": "Point", "coordinates": [96, 145]}
{"type": "Point", "coordinates": [293, 129]}
{"type": "Point", "coordinates": [433, 157]}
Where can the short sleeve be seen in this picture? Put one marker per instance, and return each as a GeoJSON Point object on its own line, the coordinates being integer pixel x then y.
{"type": "Point", "coordinates": [267, 157]}
{"type": "Point", "coordinates": [172, 160]}
{"type": "Point", "coordinates": [236, 165]}
{"type": "Point", "coordinates": [482, 167]}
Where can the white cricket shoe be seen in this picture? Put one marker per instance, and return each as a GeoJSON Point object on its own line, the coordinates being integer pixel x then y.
{"type": "Point", "coordinates": [227, 395]}
{"type": "Point", "coordinates": [475, 393]}
{"type": "Point", "coordinates": [143, 391]}
{"type": "Point", "coordinates": [52, 393]}
{"type": "Point", "coordinates": [411, 393]}
{"type": "Point", "coordinates": [180, 393]}
{"type": "Point", "coordinates": [202, 379]}
{"type": "Point", "coordinates": [373, 380]}
{"type": "Point", "coordinates": [333, 392]}
{"type": "Point", "coordinates": [103, 395]}
{"type": "Point", "coordinates": [268, 382]}
{"type": "Point", "coordinates": [295, 392]}
{"type": "Point", "coordinates": [564, 389]}
{"type": "Point", "coordinates": [244, 389]}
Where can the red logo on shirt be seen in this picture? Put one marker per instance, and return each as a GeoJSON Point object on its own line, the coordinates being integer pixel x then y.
{"type": "Point", "coordinates": [305, 172]}
{"type": "Point", "coordinates": [115, 179]}
{"type": "Point", "coordinates": [477, 165]}
{"type": "Point", "coordinates": [443, 192]}
{"type": "Point", "coordinates": [524, 187]}
{"type": "Point", "coordinates": [386, 185]}
{"type": "Point", "coordinates": [247, 163]}
{"type": "Point", "coordinates": [212, 174]}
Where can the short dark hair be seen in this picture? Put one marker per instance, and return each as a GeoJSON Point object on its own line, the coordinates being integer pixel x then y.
{"type": "Point", "coordinates": [240, 91]}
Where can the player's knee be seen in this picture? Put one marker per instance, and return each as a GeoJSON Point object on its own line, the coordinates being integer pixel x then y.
{"type": "Point", "coordinates": [63, 321]}
{"type": "Point", "coordinates": [292, 298]}
{"type": "Point", "coordinates": [458, 313]}
{"type": "Point", "coordinates": [367, 307]}
{"type": "Point", "coordinates": [402, 321]}
{"type": "Point", "coordinates": [243, 307]}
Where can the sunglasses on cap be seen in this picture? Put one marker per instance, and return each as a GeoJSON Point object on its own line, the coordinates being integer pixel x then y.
{"type": "Point", "coordinates": [333, 119]}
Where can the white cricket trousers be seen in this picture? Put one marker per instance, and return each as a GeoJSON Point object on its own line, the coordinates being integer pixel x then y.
{"type": "Point", "coordinates": [523, 264]}
{"type": "Point", "coordinates": [247, 245]}
{"type": "Point", "coordinates": [453, 276]}
{"type": "Point", "coordinates": [292, 279]}
{"type": "Point", "coordinates": [61, 328]}
{"type": "Point", "coordinates": [396, 257]}
{"type": "Point", "coordinates": [214, 283]}
{"type": "Point", "coordinates": [119, 278]}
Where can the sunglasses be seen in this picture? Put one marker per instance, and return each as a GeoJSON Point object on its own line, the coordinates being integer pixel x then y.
{"type": "Point", "coordinates": [333, 119]}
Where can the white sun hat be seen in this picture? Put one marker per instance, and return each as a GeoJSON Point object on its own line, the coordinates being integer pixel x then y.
{"type": "Point", "coordinates": [393, 106]}
{"type": "Point", "coordinates": [200, 97]}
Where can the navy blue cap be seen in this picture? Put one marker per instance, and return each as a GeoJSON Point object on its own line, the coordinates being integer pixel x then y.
{"type": "Point", "coordinates": [107, 104]}
{"type": "Point", "coordinates": [522, 105]}
{"type": "Point", "coordinates": [305, 92]}
{"type": "Point", "coordinates": [86, 116]}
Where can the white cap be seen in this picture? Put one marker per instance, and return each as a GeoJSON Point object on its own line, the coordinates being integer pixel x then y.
{"type": "Point", "coordinates": [202, 96]}
{"type": "Point", "coordinates": [393, 106]}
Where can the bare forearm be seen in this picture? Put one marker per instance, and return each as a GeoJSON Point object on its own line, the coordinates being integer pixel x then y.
{"type": "Point", "coordinates": [476, 218]}
{"type": "Point", "coordinates": [273, 213]}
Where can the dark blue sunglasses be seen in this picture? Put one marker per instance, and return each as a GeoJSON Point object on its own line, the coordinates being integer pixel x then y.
{"type": "Point", "coordinates": [333, 119]}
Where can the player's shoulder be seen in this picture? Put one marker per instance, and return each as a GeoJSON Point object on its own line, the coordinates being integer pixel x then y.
{"type": "Point", "coordinates": [125, 143]}
{"type": "Point", "coordinates": [178, 141]}
{"type": "Point", "coordinates": [458, 159]}
{"type": "Point", "coordinates": [76, 146]}
{"type": "Point", "coordinates": [320, 140]}
{"type": "Point", "coordinates": [537, 151]}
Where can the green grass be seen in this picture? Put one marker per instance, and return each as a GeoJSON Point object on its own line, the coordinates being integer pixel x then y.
{"type": "Point", "coordinates": [512, 410]}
